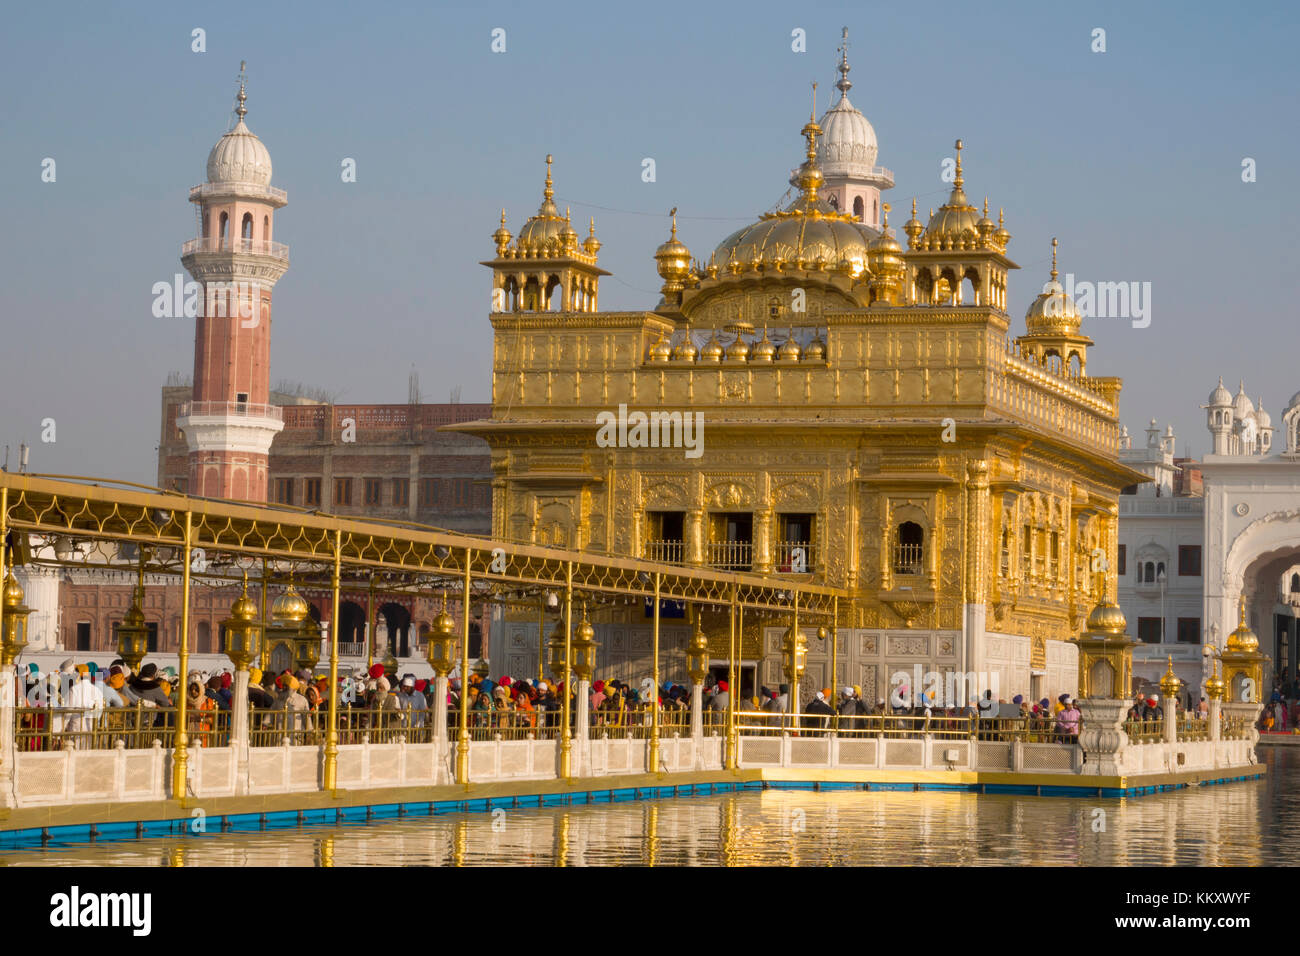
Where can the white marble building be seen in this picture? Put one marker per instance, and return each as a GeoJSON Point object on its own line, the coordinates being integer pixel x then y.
{"type": "Point", "coordinates": [1242, 535]}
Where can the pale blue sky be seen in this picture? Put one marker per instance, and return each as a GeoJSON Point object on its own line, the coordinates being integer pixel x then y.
{"type": "Point", "coordinates": [1132, 158]}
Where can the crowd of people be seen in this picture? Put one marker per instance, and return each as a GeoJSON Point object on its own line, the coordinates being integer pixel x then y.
{"type": "Point", "coordinates": [77, 695]}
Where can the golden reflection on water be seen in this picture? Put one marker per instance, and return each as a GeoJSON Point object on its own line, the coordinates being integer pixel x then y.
{"type": "Point", "coordinates": [1232, 825]}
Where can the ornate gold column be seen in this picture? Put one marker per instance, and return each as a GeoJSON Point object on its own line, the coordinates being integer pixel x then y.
{"type": "Point", "coordinates": [180, 756]}
{"type": "Point", "coordinates": [763, 542]}
{"type": "Point", "coordinates": [329, 775]}
{"type": "Point", "coordinates": [370, 622]}
{"type": "Point", "coordinates": [695, 532]}
{"type": "Point", "coordinates": [975, 613]}
{"type": "Point", "coordinates": [261, 658]}
{"type": "Point", "coordinates": [462, 738]}
{"type": "Point", "coordinates": [541, 639]}
{"type": "Point", "coordinates": [654, 667]}
{"type": "Point", "coordinates": [733, 733]}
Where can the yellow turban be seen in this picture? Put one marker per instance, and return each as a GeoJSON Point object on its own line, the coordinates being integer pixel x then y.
{"type": "Point", "coordinates": [254, 675]}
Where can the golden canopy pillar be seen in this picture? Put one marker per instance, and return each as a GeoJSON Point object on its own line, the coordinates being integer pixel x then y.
{"type": "Point", "coordinates": [1243, 663]}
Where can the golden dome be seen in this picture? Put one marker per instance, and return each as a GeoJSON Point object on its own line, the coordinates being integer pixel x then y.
{"type": "Point", "coordinates": [810, 234]}
{"type": "Point", "coordinates": [661, 351]}
{"type": "Point", "coordinates": [763, 349]}
{"type": "Point", "coordinates": [1107, 618]}
{"type": "Point", "coordinates": [789, 350]}
{"type": "Point", "coordinates": [546, 233]}
{"type": "Point", "coordinates": [685, 350]}
{"type": "Point", "coordinates": [712, 351]}
{"type": "Point", "coordinates": [957, 225]}
{"type": "Point", "coordinates": [444, 625]}
{"type": "Point", "coordinates": [738, 351]}
{"type": "Point", "coordinates": [673, 261]}
{"type": "Point", "coordinates": [1053, 312]}
{"type": "Point", "coordinates": [502, 236]}
{"type": "Point", "coordinates": [816, 350]}
{"type": "Point", "coordinates": [591, 244]}
{"type": "Point", "coordinates": [244, 609]}
{"type": "Point", "coordinates": [13, 592]}
{"type": "Point", "coordinates": [290, 606]}
{"type": "Point", "coordinates": [1243, 639]}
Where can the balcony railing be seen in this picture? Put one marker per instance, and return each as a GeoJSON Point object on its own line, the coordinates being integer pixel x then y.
{"type": "Point", "coordinates": [785, 557]}
{"type": "Point", "coordinates": [242, 409]}
{"type": "Point", "coordinates": [669, 552]}
{"type": "Point", "coordinates": [253, 247]}
{"type": "Point", "coordinates": [245, 189]}
{"type": "Point", "coordinates": [731, 555]}
{"type": "Point", "coordinates": [908, 558]}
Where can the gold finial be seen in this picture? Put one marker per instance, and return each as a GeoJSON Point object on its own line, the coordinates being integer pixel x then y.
{"type": "Point", "coordinates": [1001, 216]}
{"type": "Point", "coordinates": [566, 214]}
{"type": "Point", "coordinates": [591, 226]}
{"type": "Point", "coordinates": [885, 223]}
{"type": "Point", "coordinates": [548, 192]}
{"type": "Point", "coordinates": [813, 115]}
{"type": "Point", "coordinates": [673, 212]}
{"type": "Point", "coordinates": [241, 110]}
{"type": "Point", "coordinates": [913, 207]}
{"type": "Point", "coordinates": [843, 85]}
{"type": "Point", "coordinates": [958, 181]}
{"type": "Point", "coordinates": [1053, 258]}
{"type": "Point", "coordinates": [503, 215]}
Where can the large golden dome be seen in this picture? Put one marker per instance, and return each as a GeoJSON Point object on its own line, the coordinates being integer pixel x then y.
{"type": "Point", "coordinates": [809, 234]}
{"type": "Point", "coordinates": [290, 606]}
{"type": "Point", "coordinates": [1107, 618]}
{"type": "Point", "coordinates": [957, 225]}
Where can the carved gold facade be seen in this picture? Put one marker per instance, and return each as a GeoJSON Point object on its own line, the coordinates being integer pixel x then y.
{"type": "Point", "coordinates": [860, 401]}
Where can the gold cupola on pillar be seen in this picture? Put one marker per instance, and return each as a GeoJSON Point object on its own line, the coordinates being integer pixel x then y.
{"type": "Point", "coordinates": [545, 265]}
{"type": "Point", "coordinates": [13, 620]}
{"type": "Point", "coordinates": [673, 260]}
{"type": "Point", "coordinates": [1243, 664]}
{"type": "Point", "coordinates": [1105, 650]}
{"type": "Point", "coordinates": [1052, 328]}
{"type": "Point", "coordinates": [885, 265]}
{"type": "Point", "coordinates": [243, 631]}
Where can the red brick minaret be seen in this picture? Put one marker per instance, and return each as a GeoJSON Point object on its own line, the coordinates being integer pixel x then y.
{"type": "Point", "coordinates": [230, 423]}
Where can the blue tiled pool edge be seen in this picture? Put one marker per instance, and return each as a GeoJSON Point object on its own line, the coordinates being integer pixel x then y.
{"type": "Point", "coordinates": [318, 816]}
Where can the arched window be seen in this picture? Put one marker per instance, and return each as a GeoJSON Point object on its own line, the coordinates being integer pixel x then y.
{"type": "Point", "coordinates": [1076, 364]}
{"type": "Point", "coordinates": [246, 227]}
{"type": "Point", "coordinates": [857, 208]}
{"type": "Point", "coordinates": [909, 549]}
{"type": "Point", "coordinates": [225, 225]}
{"type": "Point", "coordinates": [206, 223]}
{"type": "Point", "coordinates": [1160, 570]}
{"type": "Point", "coordinates": [204, 643]}
{"type": "Point", "coordinates": [266, 227]}
{"type": "Point", "coordinates": [875, 210]}
{"type": "Point", "coordinates": [1148, 573]}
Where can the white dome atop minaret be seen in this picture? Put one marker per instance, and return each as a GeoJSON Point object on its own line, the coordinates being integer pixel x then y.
{"type": "Point", "coordinates": [846, 155]}
{"type": "Point", "coordinates": [239, 156]}
{"type": "Point", "coordinates": [848, 144]}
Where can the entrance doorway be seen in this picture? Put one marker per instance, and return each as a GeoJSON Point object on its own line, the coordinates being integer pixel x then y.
{"type": "Point", "coordinates": [748, 671]}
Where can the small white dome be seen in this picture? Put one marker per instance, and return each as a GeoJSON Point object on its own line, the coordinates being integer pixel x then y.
{"type": "Point", "coordinates": [848, 144]}
{"type": "Point", "coordinates": [239, 157]}
{"type": "Point", "coordinates": [1242, 406]}
{"type": "Point", "coordinates": [1262, 418]}
{"type": "Point", "coordinates": [1220, 397]}
{"type": "Point", "coordinates": [1294, 403]}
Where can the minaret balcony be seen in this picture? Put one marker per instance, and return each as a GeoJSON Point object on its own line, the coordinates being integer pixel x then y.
{"type": "Point", "coordinates": [248, 247]}
{"type": "Point", "coordinates": [229, 410]}
{"type": "Point", "coordinates": [213, 191]}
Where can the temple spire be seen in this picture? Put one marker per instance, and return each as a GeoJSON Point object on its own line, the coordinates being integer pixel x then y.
{"type": "Point", "coordinates": [1053, 258]}
{"type": "Point", "coordinates": [548, 192]}
{"type": "Point", "coordinates": [958, 181]}
{"type": "Point", "coordinates": [844, 83]}
{"type": "Point", "coordinates": [241, 110]}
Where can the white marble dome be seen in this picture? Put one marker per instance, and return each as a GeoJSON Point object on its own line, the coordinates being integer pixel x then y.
{"type": "Point", "coordinates": [239, 157]}
{"type": "Point", "coordinates": [1220, 396]}
{"type": "Point", "coordinates": [1242, 406]}
{"type": "Point", "coordinates": [848, 144]}
{"type": "Point", "coordinates": [1262, 418]}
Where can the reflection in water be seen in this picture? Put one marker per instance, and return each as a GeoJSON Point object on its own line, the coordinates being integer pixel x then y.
{"type": "Point", "coordinates": [1234, 825]}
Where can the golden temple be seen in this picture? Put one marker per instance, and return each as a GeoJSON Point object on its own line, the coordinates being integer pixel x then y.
{"type": "Point", "coordinates": [874, 423]}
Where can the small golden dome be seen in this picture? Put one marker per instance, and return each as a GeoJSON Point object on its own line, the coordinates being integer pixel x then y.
{"type": "Point", "coordinates": [672, 257]}
{"type": "Point", "coordinates": [244, 609]}
{"type": "Point", "coordinates": [13, 592]}
{"type": "Point", "coordinates": [290, 606]}
{"type": "Point", "coordinates": [591, 244]}
{"type": "Point", "coordinates": [789, 350]}
{"type": "Point", "coordinates": [816, 350]}
{"type": "Point", "coordinates": [738, 351]}
{"type": "Point", "coordinates": [957, 224]}
{"type": "Point", "coordinates": [913, 227]}
{"type": "Point", "coordinates": [712, 351]}
{"type": "Point", "coordinates": [1002, 236]}
{"type": "Point", "coordinates": [763, 349]}
{"type": "Point", "coordinates": [444, 625]}
{"type": "Point", "coordinates": [1243, 639]}
{"type": "Point", "coordinates": [1107, 618]}
{"type": "Point", "coordinates": [584, 631]}
{"type": "Point", "coordinates": [502, 236]}
{"type": "Point", "coordinates": [661, 351]}
{"type": "Point", "coordinates": [1053, 312]}
{"type": "Point", "coordinates": [685, 350]}
{"type": "Point", "coordinates": [544, 232]}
